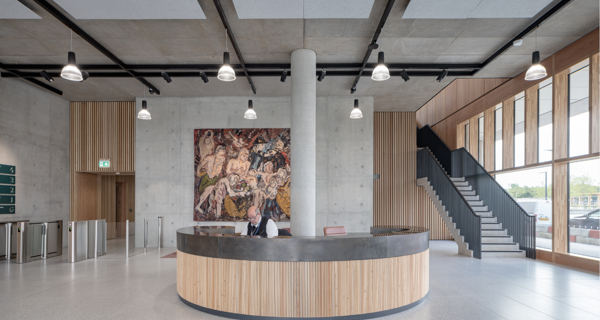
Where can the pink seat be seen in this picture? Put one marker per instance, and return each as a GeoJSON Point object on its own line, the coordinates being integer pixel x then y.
{"type": "Point", "coordinates": [335, 231]}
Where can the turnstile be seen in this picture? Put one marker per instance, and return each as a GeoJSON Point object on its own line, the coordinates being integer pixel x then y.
{"type": "Point", "coordinates": [38, 240]}
{"type": "Point", "coordinates": [8, 239]}
{"type": "Point", "coordinates": [87, 239]}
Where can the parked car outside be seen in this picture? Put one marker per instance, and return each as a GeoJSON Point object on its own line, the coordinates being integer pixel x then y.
{"type": "Point", "coordinates": [589, 220]}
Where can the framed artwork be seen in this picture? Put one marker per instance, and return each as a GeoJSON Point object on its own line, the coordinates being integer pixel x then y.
{"type": "Point", "coordinates": [235, 169]}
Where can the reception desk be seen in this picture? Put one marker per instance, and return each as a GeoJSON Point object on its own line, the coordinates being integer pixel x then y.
{"type": "Point", "coordinates": [356, 276]}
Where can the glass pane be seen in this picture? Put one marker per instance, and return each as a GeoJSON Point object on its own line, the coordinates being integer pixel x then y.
{"type": "Point", "coordinates": [467, 136]}
{"type": "Point", "coordinates": [584, 189]}
{"type": "Point", "coordinates": [520, 131]}
{"type": "Point", "coordinates": [498, 139]}
{"type": "Point", "coordinates": [545, 122]}
{"type": "Point", "coordinates": [579, 112]}
{"type": "Point", "coordinates": [480, 141]}
{"type": "Point", "coordinates": [533, 191]}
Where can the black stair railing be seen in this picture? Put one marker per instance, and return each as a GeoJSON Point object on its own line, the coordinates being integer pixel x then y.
{"type": "Point", "coordinates": [509, 212]}
{"type": "Point", "coordinates": [426, 138]}
{"type": "Point", "coordinates": [457, 206]}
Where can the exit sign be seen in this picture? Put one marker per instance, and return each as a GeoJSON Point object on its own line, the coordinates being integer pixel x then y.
{"type": "Point", "coordinates": [104, 164]}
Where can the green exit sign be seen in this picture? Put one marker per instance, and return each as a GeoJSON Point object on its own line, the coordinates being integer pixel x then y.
{"type": "Point", "coordinates": [104, 164]}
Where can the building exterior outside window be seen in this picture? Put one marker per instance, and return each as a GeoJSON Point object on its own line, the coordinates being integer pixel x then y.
{"type": "Point", "coordinates": [519, 127]}
{"type": "Point", "coordinates": [467, 136]}
{"type": "Point", "coordinates": [480, 141]}
{"type": "Point", "coordinates": [498, 138]}
{"type": "Point", "coordinates": [584, 214]}
{"type": "Point", "coordinates": [545, 121]}
{"type": "Point", "coordinates": [579, 111]}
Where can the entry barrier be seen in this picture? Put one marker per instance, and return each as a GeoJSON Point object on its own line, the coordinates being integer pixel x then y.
{"type": "Point", "coordinates": [8, 239]}
{"type": "Point", "coordinates": [87, 239]}
{"type": "Point", "coordinates": [38, 240]}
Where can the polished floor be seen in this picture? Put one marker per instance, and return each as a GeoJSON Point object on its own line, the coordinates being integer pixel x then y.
{"type": "Point", "coordinates": [143, 287]}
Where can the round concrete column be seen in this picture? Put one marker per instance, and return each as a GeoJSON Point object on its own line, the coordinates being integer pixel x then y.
{"type": "Point", "coordinates": [304, 142]}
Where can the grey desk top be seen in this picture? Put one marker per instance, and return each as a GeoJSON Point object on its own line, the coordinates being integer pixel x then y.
{"type": "Point", "coordinates": [221, 242]}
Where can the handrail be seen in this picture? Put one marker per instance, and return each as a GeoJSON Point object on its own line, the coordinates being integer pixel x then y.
{"type": "Point", "coordinates": [517, 222]}
{"type": "Point", "coordinates": [463, 215]}
{"type": "Point", "coordinates": [490, 176]}
{"type": "Point", "coordinates": [426, 137]}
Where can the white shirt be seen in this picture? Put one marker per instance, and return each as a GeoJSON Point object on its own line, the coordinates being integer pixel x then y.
{"type": "Point", "coordinates": [272, 230]}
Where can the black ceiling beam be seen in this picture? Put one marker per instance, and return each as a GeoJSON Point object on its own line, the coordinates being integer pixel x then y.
{"type": "Point", "coordinates": [36, 82]}
{"type": "Point", "coordinates": [66, 21]}
{"type": "Point", "coordinates": [525, 32]}
{"type": "Point", "coordinates": [386, 13]}
{"type": "Point", "coordinates": [233, 42]}
{"type": "Point", "coordinates": [251, 73]}
{"type": "Point", "coordinates": [287, 66]}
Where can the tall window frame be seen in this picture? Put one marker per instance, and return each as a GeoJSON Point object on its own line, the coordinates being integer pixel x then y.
{"type": "Point", "coordinates": [545, 129]}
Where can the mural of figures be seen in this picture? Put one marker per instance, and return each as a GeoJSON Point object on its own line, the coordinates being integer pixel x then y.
{"type": "Point", "coordinates": [238, 168]}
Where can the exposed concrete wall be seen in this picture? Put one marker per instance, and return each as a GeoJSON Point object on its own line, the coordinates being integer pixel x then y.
{"type": "Point", "coordinates": [165, 158]}
{"type": "Point", "coordinates": [34, 136]}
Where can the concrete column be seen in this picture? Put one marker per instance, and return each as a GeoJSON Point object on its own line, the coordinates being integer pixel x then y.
{"type": "Point", "coordinates": [304, 142]}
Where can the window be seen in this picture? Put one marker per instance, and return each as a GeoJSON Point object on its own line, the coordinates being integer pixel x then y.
{"type": "Point", "coordinates": [519, 141]}
{"type": "Point", "coordinates": [579, 112]}
{"type": "Point", "coordinates": [532, 190]}
{"type": "Point", "coordinates": [467, 136]}
{"type": "Point", "coordinates": [584, 215]}
{"type": "Point", "coordinates": [498, 138]}
{"type": "Point", "coordinates": [545, 121]}
{"type": "Point", "coordinates": [480, 141]}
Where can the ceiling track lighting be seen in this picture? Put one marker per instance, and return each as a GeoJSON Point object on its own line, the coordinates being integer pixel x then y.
{"type": "Point", "coordinates": [381, 72]}
{"type": "Point", "coordinates": [151, 91]}
{"type": "Point", "coordinates": [536, 71]}
{"type": "Point", "coordinates": [356, 113]}
{"type": "Point", "coordinates": [404, 75]}
{"type": "Point", "coordinates": [144, 114]}
{"type": "Point", "coordinates": [203, 76]}
{"type": "Point", "coordinates": [84, 75]}
{"type": "Point", "coordinates": [165, 76]}
{"type": "Point", "coordinates": [250, 114]}
{"type": "Point", "coordinates": [442, 75]}
{"type": "Point", "coordinates": [283, 76]}
{"type": "Point", "coordinates": [353, 90]}
{"type": "Point", "coordinates": [47, 76]}
{"type": "Point", "coordinates": [226, 73]}
{"type": "Point", "coordinates": [70, 71]}
{"type": "Point", "coordinates": [322, 75]}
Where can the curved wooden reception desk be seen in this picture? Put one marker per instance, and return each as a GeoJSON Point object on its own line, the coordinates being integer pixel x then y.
{"type": "Point", "coordinates": [357, 276]}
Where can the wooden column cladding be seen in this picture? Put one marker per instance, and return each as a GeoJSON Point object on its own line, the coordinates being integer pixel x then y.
{"type": "Point", "coordinates": [474, 137]}
{"type": "Point", "coordinates": [531, 125]}
{"type": "Point", "coordinates": [508, 133]}
{"type": "Point", "coordinates": [595, 103]}
{"type": "Point", "coordinates": [488, 139]}
{"type": "Point", "coordinates": [99, 130]}
{"type": "Point", "coordinates": [560, 114]}
{"type": "Point", "coordinates": [397, 200]}
{"type": "Point", "coordinates": [560, 207]}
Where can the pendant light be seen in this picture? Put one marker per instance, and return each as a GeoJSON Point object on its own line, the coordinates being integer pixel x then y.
{"type": "Point", "coordinates": [250, 113]}
{"type": "Point", "coordinates": [70, 71]}
{"type": "Point", "coordinates": [226, 73]}
{"type": "Point", "coordinates": [144, 114]}
{"type": "Point", "coordinates": [381, 72]}
{"type": "Point", "coordinates": [536, 71]}
{"type": "Point", "coordinates": [356, 113]}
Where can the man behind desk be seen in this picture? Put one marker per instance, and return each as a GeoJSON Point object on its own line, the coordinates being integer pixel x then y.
{"type": "Point", "coordinates": [259, 225]}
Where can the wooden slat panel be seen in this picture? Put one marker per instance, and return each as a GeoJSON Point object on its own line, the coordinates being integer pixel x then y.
{"type": "Point", "coordinates": [474, 137]}
{"type": "Point", "coordinates": [595, 103]}
{"type": "Point", "coordinates": [451, 102]}
{"type": "Point", "coordinates": [302, 289]}
{"type": "Point", "coordinates": [87, 193]}
{"type": "Point", "coordinates": [460, 135]}
{"type": "Point", "coordinates": [560, 114]}
{"type": "Point", "coordinates": [488, 140]}
{"type": "Point", "coordinates": [560, 208]}
{"type": "Point", "coordinates": [429, 217]}
{"type": "Point", "coordinates": [493, 83]}
{"type": "Point", "coordinates": [531, 125]}
{"type": "Point", "coordinates": [508, 133]}
{"type": "Point", "coordinates": [440, 106]}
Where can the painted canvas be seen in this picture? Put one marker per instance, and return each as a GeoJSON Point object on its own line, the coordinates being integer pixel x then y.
{"type": "Point", "coordinates": [238, 168]}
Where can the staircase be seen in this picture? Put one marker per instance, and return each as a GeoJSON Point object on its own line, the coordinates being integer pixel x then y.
{"type": "Point", "coordinates": [495, 242]}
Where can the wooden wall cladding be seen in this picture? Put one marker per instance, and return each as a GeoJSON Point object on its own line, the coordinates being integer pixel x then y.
{"type": "Point", "coordinates": [98, 130]}
{"type": "Point", "coordinates": [474, 137]}
{"type": "Point", "coordinates": [395, 193]}
{"type": "Point", "coordinates": [108, 200]}
{"type": "Point", "coordinates": [531, 125]}
{"type": "Point", "coordinates": [560, 114]}
{"type": "Point", "coordinates": [595, 103]}
{"type": "Point", "coordinates": [508, 133]}
{"type": "Point", "coordinates": [302, 289]}
{"type": "Point", "coordinates": [488, 139]}
{"type": "Point", "coordinates": [560, 207]}
{"type": "Point", "coordinates": [495, 92]}
{"type": "Point", "coordinates": [103, 130]}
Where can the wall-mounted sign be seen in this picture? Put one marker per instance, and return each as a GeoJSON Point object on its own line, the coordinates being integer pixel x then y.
{"type": "Point", "coordinates": [7, 209]}
{"type": "Point", "coordinates": [7, 169]}
{"type": "Point", "coordinates": [7, 189]}
{"type": "Point", "coordinates": [7, 199]}
{"type": "Point", "coordinates": [7, 179]}
{"type": "Point", "coordinates": [104, 163]}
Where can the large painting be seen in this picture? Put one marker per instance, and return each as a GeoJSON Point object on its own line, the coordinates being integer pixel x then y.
{"type": "Point", "coordinates": [238, 168]}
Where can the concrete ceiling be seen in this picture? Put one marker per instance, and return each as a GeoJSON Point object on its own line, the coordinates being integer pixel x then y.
{"type": "Point", "coordinates": [272, 40]}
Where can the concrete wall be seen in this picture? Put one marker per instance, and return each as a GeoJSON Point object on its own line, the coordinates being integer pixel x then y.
{"type": "Point", "coordinates": [165, 158]}
{"type": "Point", "coordinates": [34, 136]}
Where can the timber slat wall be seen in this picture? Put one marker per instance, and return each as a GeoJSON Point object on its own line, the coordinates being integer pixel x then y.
{"type": "Point", "coordinates": [302, 289]}
{"type": "Point", "coordinates": [397, 200]}
{"type": "Point", "coordinates": [100, 130]}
